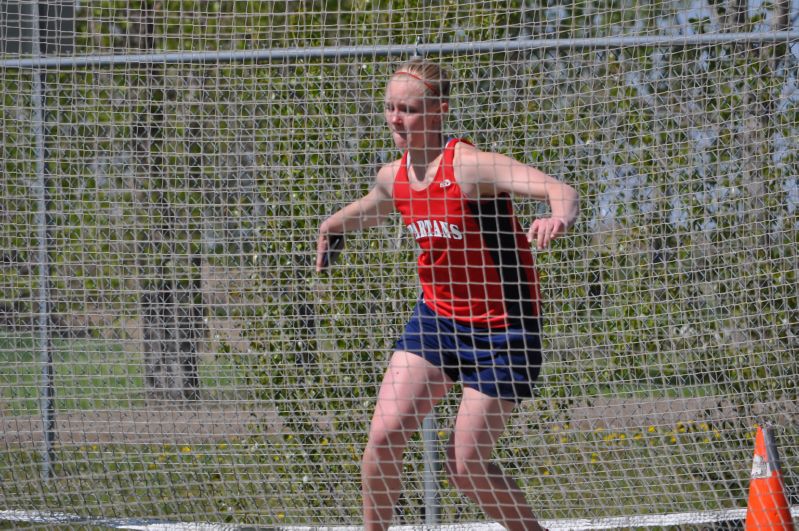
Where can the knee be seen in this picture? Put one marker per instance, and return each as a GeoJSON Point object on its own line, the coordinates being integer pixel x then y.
{"type": "Point", "coordinates": [463, 465]}
{"type": "Point", "coordinates": [383, 446]}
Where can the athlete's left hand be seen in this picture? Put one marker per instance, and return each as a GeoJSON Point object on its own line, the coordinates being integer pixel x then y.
{"type": "Point", "coordinates": [544, 230]}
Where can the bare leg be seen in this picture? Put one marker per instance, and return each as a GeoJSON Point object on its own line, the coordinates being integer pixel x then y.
{"type": "Point", "coordinates": [481, 420]}
{"type": "Point", "coordinates": [410, 389]}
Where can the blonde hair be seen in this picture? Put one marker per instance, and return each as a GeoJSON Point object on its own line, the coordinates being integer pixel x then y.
{"type": "Point", "coordinates": [435, 77]}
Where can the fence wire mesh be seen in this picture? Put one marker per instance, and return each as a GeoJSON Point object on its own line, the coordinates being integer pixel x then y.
{"type": "Point", "coordinates": [158, 241]}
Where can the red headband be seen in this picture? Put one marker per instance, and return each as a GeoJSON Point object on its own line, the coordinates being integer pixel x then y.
{"type": "Point", "coordinates": [426, 83]}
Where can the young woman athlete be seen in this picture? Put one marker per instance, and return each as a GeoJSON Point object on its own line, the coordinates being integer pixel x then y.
{"type": "Point", "coordinates": [478, 318]}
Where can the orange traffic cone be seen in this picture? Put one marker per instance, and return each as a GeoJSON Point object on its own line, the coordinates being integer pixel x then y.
{"type": "Point", "coordinates": [768, 507]}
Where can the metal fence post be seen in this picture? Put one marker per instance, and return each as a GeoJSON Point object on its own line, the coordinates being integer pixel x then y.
{"type": "Point", "coordinates": [432, 469]}
{"type": "Point", "coordinates": [30, 10]}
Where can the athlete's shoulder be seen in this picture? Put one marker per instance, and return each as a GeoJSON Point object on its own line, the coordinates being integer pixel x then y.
{"type": "Point", "coordinates": [466, 154]}
{"type": "Point", "coordinates": [470, 164]}
{"type": "Point", "coordinates": [464, 145]}
{"type": "Point", "coordinates": [386, 175]}
{"type": "Point", "coordinates": [389, 170]}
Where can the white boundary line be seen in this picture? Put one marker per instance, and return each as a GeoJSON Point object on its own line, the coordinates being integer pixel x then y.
{"type": "Point", "coordinates": [46, 517]}
{"type": "Point", "coordinates": [673, 519]}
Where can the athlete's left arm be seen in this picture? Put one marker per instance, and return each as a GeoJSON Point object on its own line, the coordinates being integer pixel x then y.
{"type": "Point", "coordinates": [494, 173]}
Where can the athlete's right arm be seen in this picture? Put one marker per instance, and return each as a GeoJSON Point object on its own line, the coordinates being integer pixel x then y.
{"type": "Point", "coordinates": [366, 212]}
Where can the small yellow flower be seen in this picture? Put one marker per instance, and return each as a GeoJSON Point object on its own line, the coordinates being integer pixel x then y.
{"type": "Point", "coordinates": [594, 458]}
{"type": "Point", "coordinates": [673, 439]}
{"type": "Point", "coordinates": [324, 441]}
{"type": "Point", "coordinates": [652, 429]}
{"type": "Point", "coordinates": [185, 450]}
{"type": "Point", "coordinates": [281, 516]}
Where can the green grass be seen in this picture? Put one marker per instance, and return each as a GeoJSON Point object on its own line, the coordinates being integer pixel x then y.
{"type": "Point", "coordinates": [89, 374]}
{"type": "Point", "coordinates": [100, 374]}
{"type": "Point", "coordinates": [146, 481]}
{"type": "Point", "coordinates": [267, 481]}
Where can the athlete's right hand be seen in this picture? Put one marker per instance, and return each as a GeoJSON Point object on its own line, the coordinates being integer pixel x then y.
{"type": "Point", "coordinates": [328, 247]}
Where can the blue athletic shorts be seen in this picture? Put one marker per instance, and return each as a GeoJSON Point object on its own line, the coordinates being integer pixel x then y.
{"type": "Point", "coordinates": [503, 363]}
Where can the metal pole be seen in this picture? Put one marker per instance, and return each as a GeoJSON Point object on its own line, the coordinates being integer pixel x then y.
{"type": "Point", "coordinates": [342, 52]}
{"type": "Point", "coordinates": [47, 389]}
{"type": "Point", "coordinates": [432, 468]}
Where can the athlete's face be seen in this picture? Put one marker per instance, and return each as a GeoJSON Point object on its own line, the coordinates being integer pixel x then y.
{"type": "Point", "coordinates": [413, 116]}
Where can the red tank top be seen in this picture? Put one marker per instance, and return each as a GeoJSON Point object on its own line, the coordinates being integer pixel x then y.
{"type": "Point", "coordinates": [476, 265]}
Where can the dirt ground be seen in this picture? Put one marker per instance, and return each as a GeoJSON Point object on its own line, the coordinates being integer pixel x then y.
{"type": "Point", "coordinates": [212, 421]}
{"type": "Point", "coordinates": [196, 423]}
